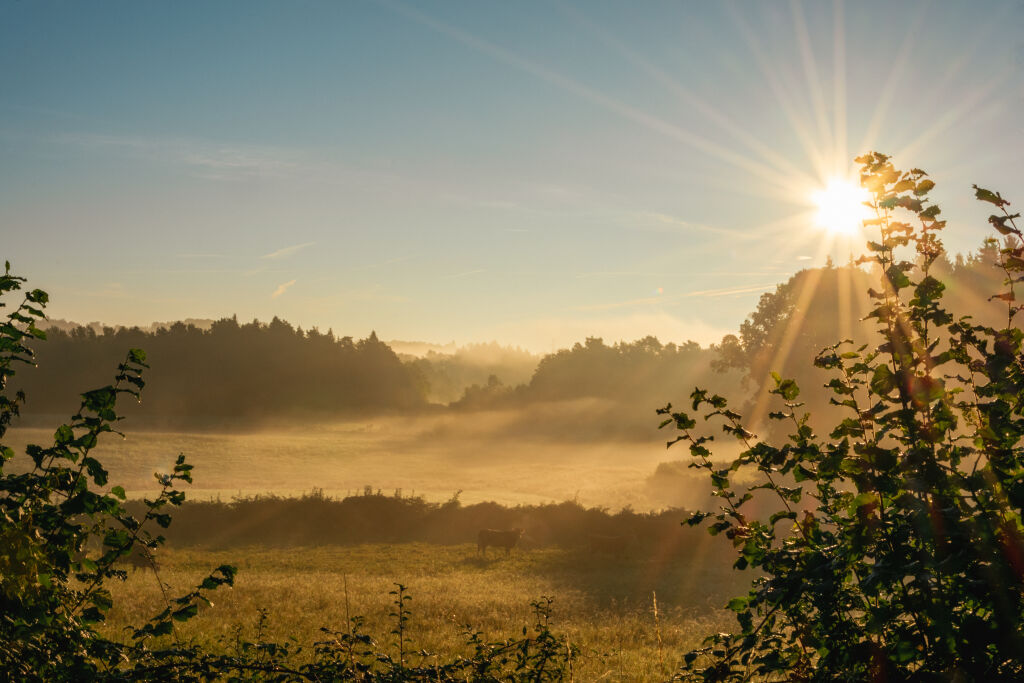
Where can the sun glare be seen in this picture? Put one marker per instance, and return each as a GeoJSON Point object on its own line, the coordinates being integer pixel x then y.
{"type": "Point", "coordinates": [841, 206]}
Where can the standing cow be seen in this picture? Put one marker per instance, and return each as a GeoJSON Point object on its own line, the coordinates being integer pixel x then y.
{"type": "Point", "coordinates": [498, 539]}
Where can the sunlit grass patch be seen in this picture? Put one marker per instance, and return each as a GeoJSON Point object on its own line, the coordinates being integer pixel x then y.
{"type": "Point", "coordinates": [603, 605]}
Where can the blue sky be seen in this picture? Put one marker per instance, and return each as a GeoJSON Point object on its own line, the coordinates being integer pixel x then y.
{"type": "Point", "coordinates": [527, 172]}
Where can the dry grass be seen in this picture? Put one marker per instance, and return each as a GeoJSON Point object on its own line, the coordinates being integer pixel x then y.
{"type": "Point", "coordinates": [603, 605]}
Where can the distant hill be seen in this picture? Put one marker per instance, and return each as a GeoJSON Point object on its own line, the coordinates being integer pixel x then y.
{"type": "Point", "coordinates": [98, 327]}
{"type": "Point", "coordinates": [597, 391]}
{"type": "Point", "coordinates": [449, 370]}
{"type": "Point", "coordinates": [419, 349]}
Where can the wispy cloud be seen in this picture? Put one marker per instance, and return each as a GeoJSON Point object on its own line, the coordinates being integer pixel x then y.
{"type": "Point", "coordinates": [230, 161]}
{"type": "Point", "coordinates": [663, 221]}
{"type": "Point", "coordinates": [207, 159]}
{"type": "Point", "coordinates": [382, 264]}
{"type": "Point", "coordinates": [281, 289]}
{"type": "Point", "coordinates": [287, 251]}
{"type": "Point", "coordinates": [463, 274]}
{"type": "Point", "coordinates": [729, 291]}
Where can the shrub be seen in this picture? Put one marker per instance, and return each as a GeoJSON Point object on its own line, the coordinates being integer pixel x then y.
{"type": "Point", "coordinates": [896, 549]}
{"type": "Point", "coordinates": [64, 531]}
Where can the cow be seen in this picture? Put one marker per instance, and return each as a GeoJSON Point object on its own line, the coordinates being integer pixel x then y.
{"type": "Point", "coordinates": [498, 539]}
{"type": "Point", "coordinates": [140, 557]}
{"type": "Point", "coordinates": [609, 545]}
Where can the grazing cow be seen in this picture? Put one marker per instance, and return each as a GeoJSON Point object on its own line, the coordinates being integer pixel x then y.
{"type": "Point", "coordinates": [498, 539]}
{"type": "Point", "coordinates": [609, 545]}
{"type": "Point", "coordinates": [140, 557]}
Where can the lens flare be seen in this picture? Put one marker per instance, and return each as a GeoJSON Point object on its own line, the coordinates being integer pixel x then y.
{"type": "Point", "coordinates": [841, 206]}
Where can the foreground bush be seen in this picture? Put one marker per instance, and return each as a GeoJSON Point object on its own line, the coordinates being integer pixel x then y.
{"type": "Point", "coordinates": [896, 551]}
{"type": "Point", "coordinates": [65, 534]}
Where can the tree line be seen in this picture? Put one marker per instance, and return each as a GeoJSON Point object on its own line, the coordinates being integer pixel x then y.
{"type": "Point", "coordinates": [255, 370]}
{"type": "Point", "coordinates": [231, 370]}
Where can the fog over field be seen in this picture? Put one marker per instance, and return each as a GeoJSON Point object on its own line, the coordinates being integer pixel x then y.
{"type": "Point", "coordinates": [268, 408]}
{"type": "Point", "coordinates": [432, 456]}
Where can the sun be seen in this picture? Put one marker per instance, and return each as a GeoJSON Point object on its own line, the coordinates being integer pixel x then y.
{"type": "Point", "coordinates": [841, 206]}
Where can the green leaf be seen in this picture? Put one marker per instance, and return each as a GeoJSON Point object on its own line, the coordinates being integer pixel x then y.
{"type": "Point", "coordinates": [924, 187]}
{"type": "Point", "coordinates": [63, 435]}
{"type": "Point", "coordinates": [738, 604]}
{"type": "Point", "coordinates": [897, 278]}
{"type": "Point", "coordinates": [786, 388]}
{"type": "Point", "coordinates": [776, 516]}
{"type": "Point", "coordinates": [101, 599]}
{"type": "Point", "coordinates": [185, 613]}
{"type": "Point", "coordinates": [924, 390]}
{"type": "Point", "coordinates": [999, 223]}
{"type": "Point", "coordinates": [696, 518]}
{"type": "Point", "coordinates": [883, 381]}
{"type": "Point", "coordinates": [989, 196]}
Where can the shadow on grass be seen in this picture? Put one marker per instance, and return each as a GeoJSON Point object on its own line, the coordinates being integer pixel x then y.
{"type": "Point", "coordinates": [695, 575]}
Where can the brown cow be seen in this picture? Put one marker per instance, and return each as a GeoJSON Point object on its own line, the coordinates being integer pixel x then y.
{"type": "Point", "coordinates": [140, 557]}
{"type": "Point", "coordinates": [609, 545]}
{"type": "Point", "coordinates": [498, 539]}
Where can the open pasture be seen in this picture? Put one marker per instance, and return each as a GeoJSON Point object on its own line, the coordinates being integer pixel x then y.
{"type": "Point", "coordinates": [604, 605]}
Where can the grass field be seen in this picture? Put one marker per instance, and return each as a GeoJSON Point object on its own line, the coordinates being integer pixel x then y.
{"type": "Point", "coordinates": [603, 605]}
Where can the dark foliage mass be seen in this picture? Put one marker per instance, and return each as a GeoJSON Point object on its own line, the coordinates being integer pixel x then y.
{"type": "Point", "coordinates": [894, 551]}
{"type": "Point", "coordinates": [231, 370]}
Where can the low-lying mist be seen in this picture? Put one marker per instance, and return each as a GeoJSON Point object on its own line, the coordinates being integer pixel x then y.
{"type": "Point", "coordinates": [539, 454]}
